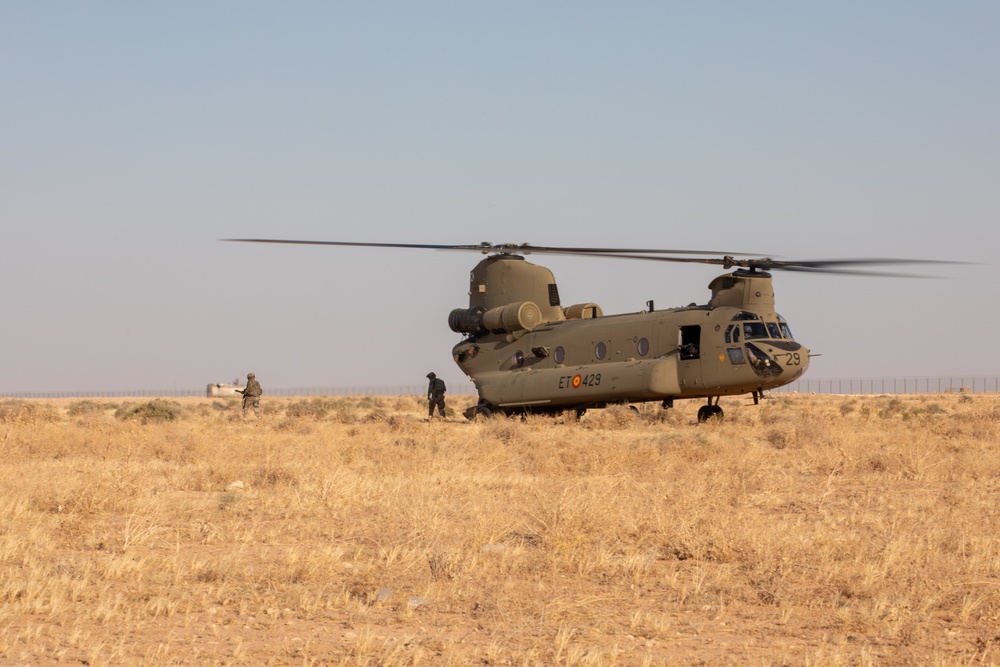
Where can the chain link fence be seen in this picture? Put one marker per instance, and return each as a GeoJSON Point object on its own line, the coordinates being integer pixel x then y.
{"type": "Point", "coordinates": [904, 385]}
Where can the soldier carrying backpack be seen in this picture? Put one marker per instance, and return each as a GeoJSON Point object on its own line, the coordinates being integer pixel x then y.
{"type": "Point", "coordinates": [435, 395]}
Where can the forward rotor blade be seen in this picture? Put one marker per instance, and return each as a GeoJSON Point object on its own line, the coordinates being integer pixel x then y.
{"type": "Point", "coordinates": [559, 250]}
{"type": "Point", "coordinates": [426, 246]}
{"type": "Point", "coordinates": [502, 248]}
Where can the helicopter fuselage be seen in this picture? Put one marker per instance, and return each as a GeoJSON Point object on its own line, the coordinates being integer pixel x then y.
{"type": "Point", "coordinates": [527, 357]}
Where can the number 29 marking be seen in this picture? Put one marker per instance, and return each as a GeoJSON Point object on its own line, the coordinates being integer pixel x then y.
{"type": "Point", "coordinates": [790, 358]}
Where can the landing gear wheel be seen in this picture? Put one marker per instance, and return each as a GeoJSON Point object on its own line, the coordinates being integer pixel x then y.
{"type": "Point", "coordinates": [477, 412]}
{"type": "Point", "coordinates": [707, 412]}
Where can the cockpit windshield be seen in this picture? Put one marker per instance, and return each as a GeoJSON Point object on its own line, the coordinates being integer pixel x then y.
{"type": "Point", "coordinates": [753, 330]}
{"type": "Point", "coordinates": [747, 326]}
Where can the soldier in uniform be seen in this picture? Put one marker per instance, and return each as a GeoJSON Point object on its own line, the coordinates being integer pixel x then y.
{"type": "Point", "coordinates": [251, 395]}
{"type": "Point", "coordinates": [435, 395]}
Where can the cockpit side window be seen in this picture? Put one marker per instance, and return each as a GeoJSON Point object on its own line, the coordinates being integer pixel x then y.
{"type": "Point", "coordinates": [785, 331]}
{"type": "Point", "coordinates": [773, 331]}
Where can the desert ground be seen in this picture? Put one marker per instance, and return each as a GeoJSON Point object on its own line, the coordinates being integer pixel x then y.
{"type": "Point", "coordinates": [808, 530]}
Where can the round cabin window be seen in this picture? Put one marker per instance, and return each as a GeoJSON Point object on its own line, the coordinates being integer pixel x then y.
{"type": "Point", "coordinates": [642, 347]}
{"type": "Point", "coordinates": [559, 355]}
{"type": "Point", "coordinates": [601, 350]}
{"type": "Point", "coordinates": [518, 359]}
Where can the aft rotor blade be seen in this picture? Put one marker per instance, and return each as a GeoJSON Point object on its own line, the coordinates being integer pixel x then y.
{"type": "Point", "coordinates": [828, 266]}
{"type": "Point", "coordinates": [846, 267]}
{"type": "Point", "coordinates": [849, 272]}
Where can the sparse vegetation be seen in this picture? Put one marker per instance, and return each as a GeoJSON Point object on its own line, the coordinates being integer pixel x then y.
{"type": "Point", "coordinates": [319, 408]}
{"type": "Point", "coordinates": [89, 407]}
{"type": "Point", "coordinates": [807, 530]}
{"type": "Point", "coordinates": [155, 411]}
{"type": "Point", "coordinates": [27, 412]}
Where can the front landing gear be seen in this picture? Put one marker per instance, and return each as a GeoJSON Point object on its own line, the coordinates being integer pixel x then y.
{"type": "Point", "coordinates": [710, 411]}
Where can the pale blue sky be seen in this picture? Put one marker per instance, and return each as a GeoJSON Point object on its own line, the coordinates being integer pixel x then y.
{"type": "Point", "coordinates": [134, 135]}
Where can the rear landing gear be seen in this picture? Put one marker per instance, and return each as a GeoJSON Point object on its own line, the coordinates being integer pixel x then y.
{"type": "Point", "coordinates": [480, 411]}
{"type": "Point", "coordinates": [710, 411]}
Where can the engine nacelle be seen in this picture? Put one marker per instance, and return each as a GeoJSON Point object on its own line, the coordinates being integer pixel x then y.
{"type": "Point", "coordinates": [523, 316]}
{"type": "Point", "coordinates": [467, 321]}
{"type": "Point", "coordinates": [513, 317]}
{"type": "Point", "coordinates": [583, 311]}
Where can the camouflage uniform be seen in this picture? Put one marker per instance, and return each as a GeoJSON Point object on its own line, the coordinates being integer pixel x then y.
{"type": "Point", "coordinates": [251, 395]}
{"type": "Point", "coordinates": [435, 394]}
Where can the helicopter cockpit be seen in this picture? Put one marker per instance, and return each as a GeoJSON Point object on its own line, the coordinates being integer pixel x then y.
{"type": "Point", "coordinates": [749, 326]}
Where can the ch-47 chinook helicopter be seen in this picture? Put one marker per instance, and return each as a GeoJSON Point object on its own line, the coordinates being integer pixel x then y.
{"type": "Point", "coordinates": [527, 353]}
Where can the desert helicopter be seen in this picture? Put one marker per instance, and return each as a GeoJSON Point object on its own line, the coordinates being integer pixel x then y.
{"type": "Point", "coordinates": [527, 353]}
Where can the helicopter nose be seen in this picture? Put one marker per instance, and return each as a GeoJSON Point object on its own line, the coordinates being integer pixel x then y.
{"type": "Point", "coordinates": [778, 359]}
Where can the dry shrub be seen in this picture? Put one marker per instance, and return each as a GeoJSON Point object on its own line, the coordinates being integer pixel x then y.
{"type": "Point", "coordinates": [151, 412]}
{"type": "Point", "coordinates": [376, 416]}
{"type": "Point", "coordinates": [409, 404]}
{"type": "Point", "coordinates": [315, 408]}
{"type": "Point", "coordinates": [269, 476]}
{"type": "Point", "coordinates": [612, 418]}
{"type": "Point", "coordinates": [293, 424]}
{"type": "Point", "coordinates": [501, 429]}
{"type": "Point", "coordinates": [772, 413]}
{"type": "Point", "coordinates": [890, 407]}
{"type": "Point", "coordinates": [88, 407]}
{"type": "Point", "coordinates": [748, 417]}
{"type": "Point", "coordinates": [780, 438]}
{"type": "Point", "coordinates": [27, 412]}
{"type": "Point", "coordinates": [867, 409]}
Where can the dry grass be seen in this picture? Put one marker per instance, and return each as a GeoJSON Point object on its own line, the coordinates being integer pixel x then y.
{"type": "Point", "coordinates": [810, 530]}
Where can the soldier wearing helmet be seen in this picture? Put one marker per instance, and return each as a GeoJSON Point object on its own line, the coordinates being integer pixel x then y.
{"type": "Point", "coordinates": [435, 395]}
{"type": "Point", "coordinates": [251, 395]}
